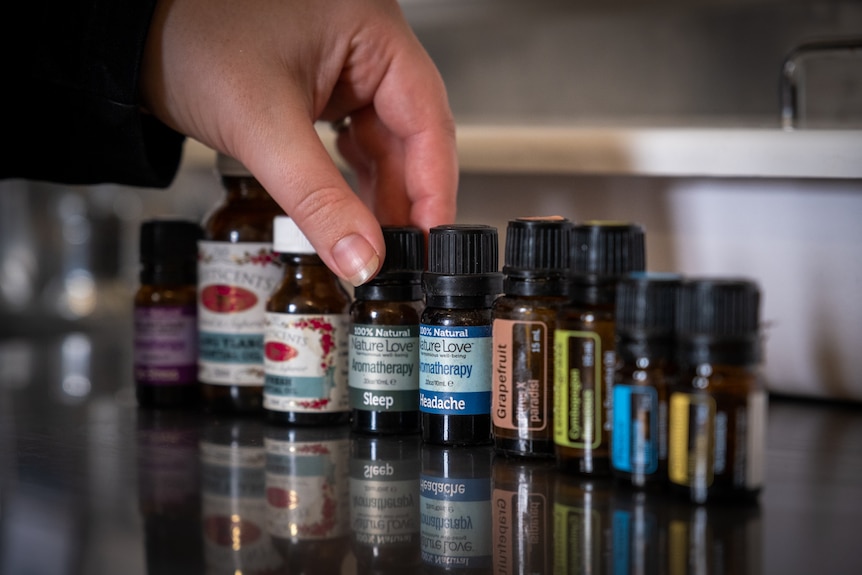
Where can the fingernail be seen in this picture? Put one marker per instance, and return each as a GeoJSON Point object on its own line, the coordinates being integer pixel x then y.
{"type": "Point", "coordinates": [356, 259]}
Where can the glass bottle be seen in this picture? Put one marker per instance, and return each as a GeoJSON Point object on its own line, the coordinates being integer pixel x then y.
{"type": "Point", "coordinates": [645, 312]}
{"type": "Point", "coordinates": [461, 285]}
{"type": "Point", "coordinates": [718, 405]}
{"type": "Point", "coordinates": [534, 290]}
{"type": "Point", "coordinates": [584, 355]}
{"type": "Point", "coordinates": [305, 336]}
{"type": "Point", "coordinates": [165, 337]}
{"type": "Point", "coordinates": [237, 271]}
{"type": "Point", "coordinates": [383, 358]}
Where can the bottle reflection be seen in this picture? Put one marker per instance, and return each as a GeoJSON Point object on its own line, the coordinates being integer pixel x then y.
{"type": "Point", "coordinates": [169, 491]}
{"type": "Point", "coordinates": [307, 497]}
{"type": "Point", "coordinates": [639, 531]}
{"type": "Point", "coordinates": [234, 511]}
{"type": "Point", "coordinates": [521, 501]}
{"type": "Point", "coordinates": [712, 539]}
{"type": "Point", "coordinates": [455, 509]}
{"type": "Point", "coordinates": [384, 503]}
{"type": "Point", "coordinates": [582, 525]}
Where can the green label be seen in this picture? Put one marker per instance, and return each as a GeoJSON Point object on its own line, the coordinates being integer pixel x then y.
{"type": "Point", "coordinates": [577, 389]}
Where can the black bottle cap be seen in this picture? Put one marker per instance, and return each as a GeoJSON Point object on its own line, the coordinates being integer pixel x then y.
{"type": "Point", "coordinates": [537, 256]}
{"type": "Point", "coordinates": [169, 251]}
{"type": "Point", "coordinates": [602, 252]}
{"type": "Point", "coordinates": [399, 278]}
{"type": "Point", "coordinates": [646, 314]}
{"type": "Point", "coordinates": [718, 321]}
{"type": "Point", "coordinates": [463, 263]}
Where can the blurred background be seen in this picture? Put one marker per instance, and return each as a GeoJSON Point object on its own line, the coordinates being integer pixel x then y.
{"type": "Point", "coordinates": [662, 112]}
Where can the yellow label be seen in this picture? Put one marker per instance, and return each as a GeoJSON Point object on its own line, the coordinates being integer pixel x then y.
{"type": "Point", "coordinates": [692, 442]}
{"type": "Point", "coordinates": [578, 392]}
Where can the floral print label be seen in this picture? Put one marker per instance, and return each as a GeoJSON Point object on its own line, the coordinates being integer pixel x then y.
{"type": "Point", "coordinates": [305, 362]}
{"type": "Point", "coordinates": [234, 282]}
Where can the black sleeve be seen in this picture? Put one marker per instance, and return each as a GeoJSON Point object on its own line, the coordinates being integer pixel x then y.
{"type": "Point", "coordinates": [70, 105]}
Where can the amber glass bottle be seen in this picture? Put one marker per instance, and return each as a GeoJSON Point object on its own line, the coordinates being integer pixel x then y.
{"type": "Point", "coordinates": [718, 403]}
{"type": "Point", "coordinates": [582, 540]}
{"type": "Point", "coordinates": [305, 336]}
{"type": "Point", "coordinates": [165, 339]}
{"type": "Point", "coordinates": [461, 285]}
{"type": "Point", "coordinates": [237, 271]}
{"type": "Point", "coordinates": [383, 365]}
{"type": "Point", "coordinates": [645, 310]}
{"type": "Point", "coordinates": [584, 355]}
{"type": "Point", "coordinates": [534, 290]}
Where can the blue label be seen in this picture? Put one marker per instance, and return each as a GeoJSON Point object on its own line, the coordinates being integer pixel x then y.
{"type": "Point", "coordinates": [230, 348]}
{"type": "Point", "coordinates": [634, 443]}
{"type": "Point", "coordinates": [455, 369]}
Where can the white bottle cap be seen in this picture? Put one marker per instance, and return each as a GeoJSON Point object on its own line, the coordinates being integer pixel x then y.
{"type": "Point", "coordinates": [287, 238]}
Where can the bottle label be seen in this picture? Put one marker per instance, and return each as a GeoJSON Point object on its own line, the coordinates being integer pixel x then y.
{"type": "Point", "coordinates": [708, 440]}
{"type": "Point", "coordinates": [578, 535]}
{"type": "Point", "coordinates": [454, 517]}
{"type": "Point", "coordinates": [384, 502]}
{"type": "Point", "coordinates": [521, 393]}
{"type": "Point", "coordinates": [578, 388]}
{"type": "Point", "coordinates": [691, 460]}
{"type": "Point", "coordinates": [382, 373]}
{"type": "Point", "coordinates": [234, 282]}
{"type": "Point", "coordinates": [165, 345]}
{"type": "Point", "coordinates": [520, 519]}
{"type": "Point", "coordinates": [234, 509]}
{"type": "Point", "coordinates": [634, 443]}
{"type": "Point", "coordinates": [305, 362]}
{"type": "Point", "coordinates": [307, 489]}
{"type": "Point", "coordinates": [455, 369]}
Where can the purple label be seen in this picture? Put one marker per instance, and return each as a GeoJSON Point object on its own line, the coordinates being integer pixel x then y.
{"type": "Point", "coordinates": [166, 345]}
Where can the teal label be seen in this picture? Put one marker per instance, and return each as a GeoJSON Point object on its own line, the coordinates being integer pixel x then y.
{"type": "Point", "coordinates": [634, 443]}
{"type": "Point", "coordinates": [455, 369]}
{"type": "Point", "coordinates": [455, 517]}
{"type": "Point", "coordinates": [382, 373]}
{"type": "Point", "coordinates": [231, 348]}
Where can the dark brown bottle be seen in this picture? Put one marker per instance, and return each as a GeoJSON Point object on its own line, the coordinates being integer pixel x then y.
{"type": "Point", "coordinates": [383, 368]}
{"type": "Point", "coordinates": [645, 326]}
{"type": "Point", "coordinates": [305, 336]}
{"type": "Point", "coordinates": [461, 285]}
{"type": "Point", "coordinates": [237, 271]}
{"type": "Point", "coordinates": [165, 340]}
{"type": "Point", "coordinates": [525, 316]}
{"type": "Point", "coordinates": [718, 404]}
{"type": "Point", "coordinates": [584, 355]}
{"type": "Point", "coordinates": [582, 539]}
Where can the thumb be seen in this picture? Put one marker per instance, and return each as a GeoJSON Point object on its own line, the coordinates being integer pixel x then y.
{"type": "Point", "coordinates": [297, 171]}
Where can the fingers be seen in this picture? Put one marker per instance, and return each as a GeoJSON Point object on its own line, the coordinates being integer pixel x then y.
{"type": "Point", "coordinates": [289, 160]}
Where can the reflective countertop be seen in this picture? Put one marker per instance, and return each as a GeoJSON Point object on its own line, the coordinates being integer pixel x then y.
{"type": "Point", "coordinates": [91, 484]}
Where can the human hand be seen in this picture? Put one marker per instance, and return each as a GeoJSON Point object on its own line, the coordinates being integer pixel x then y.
{"type": "Point", "coordinates": [250, 79]}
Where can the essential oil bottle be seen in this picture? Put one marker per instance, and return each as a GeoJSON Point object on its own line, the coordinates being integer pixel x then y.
{"type": "Point", "coordinates": [584, 357]}
{"type": "Point", "coordinates": [305, 336]}
{"type": "Point", "coordinates": [383, 366]}
{"type": "Point", "coordinates": [718, 405]}
{"type": "Point", "coordinates": [534, 289]}
{"type": "Point", "coordinates": [165, 337]}
{"type": "Point", "coordinates": [461, 285]}
{"type": "Point", "coordinates": [645, 312]}
{"type": "Point", "coordinates": [237, 271]}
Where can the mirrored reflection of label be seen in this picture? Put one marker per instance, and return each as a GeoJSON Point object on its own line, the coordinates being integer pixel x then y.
{"type": "Point", "coordinates": [384, 503]}
{"type": "Point", "coordinates": [635, 537]}
{"type": "Point", "coordinates": [455, 513]}
{"type": "Point", "coordinates": [234, 510]}
{"type": "Point", "coordinates": [234, 282]}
